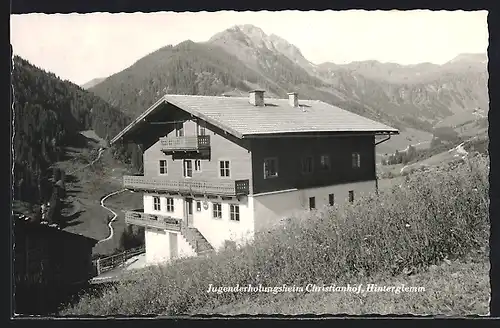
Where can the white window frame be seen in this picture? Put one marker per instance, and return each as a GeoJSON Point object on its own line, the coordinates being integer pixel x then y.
{"type": "Point", "coordinates": [268, 160]}
{"type": "Point", "coordinates": [197, 165]}
{"type": "Point", "coordinates": [217, 211]}
{"type": "Point", "coordinates": [234, 212]}
{"type": "Point", "coordinates": [185, 169]}
{"type": "Point", "coordinates": [164, 167]}
{"type": "Point", "coordinates": [322, 162]}
{"type": "Point", "coordinates": [226, 169]}
{"type": "Point", "coordinates": [156, 203]}
{"type": "Point", "coordinates": [313, 203]}
{"type": "Point", "coordinates": [198, 206]}
{"type": "Point", "coordinates": [170, 204]}
{"type": "Point", "coordinates": [201, 130]}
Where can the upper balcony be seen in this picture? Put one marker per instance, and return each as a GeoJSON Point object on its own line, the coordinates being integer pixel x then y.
{"type": "Point", "coordinates": [220, 187]}
{"type": "Point", "coordinates": [139, 218]}
{"type": "Point", "coordinates": [185, 144]}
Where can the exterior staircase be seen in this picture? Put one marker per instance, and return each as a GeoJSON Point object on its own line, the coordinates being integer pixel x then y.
{"type": "Point", "coordinates": [197, 241]}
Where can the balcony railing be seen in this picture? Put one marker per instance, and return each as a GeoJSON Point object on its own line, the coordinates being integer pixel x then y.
{"type": "Point", "coordinates": [152, 220]}
{"type": "Point", "coordinates": [184, 143]}
{"type": "Point", "coordinates": [191, 187]}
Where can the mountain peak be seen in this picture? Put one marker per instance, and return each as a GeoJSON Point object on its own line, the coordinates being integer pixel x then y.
{"type": "Point", "coordinates": [248, 38]}
{"type": "Point", "coordinates": [250, 29]}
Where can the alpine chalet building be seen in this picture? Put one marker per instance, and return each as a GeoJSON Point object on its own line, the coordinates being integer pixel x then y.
{"type": "Point", "coordinates": [220, 169]}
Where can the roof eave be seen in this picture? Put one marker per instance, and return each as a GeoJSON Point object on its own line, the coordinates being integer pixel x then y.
{"type": "Point", "coordinates": [166, 99]}
{"type": "Point", "coordinates": [137, 120]}
{"type": "Point", "coordinates": [302, 133]}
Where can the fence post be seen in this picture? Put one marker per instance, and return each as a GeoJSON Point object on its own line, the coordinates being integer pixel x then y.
{"type": "Point", "coordinates": [98, 266]}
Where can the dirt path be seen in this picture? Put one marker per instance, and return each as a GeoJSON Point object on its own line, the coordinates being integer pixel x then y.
{"type": "Point", "coordinates": [403, 168]}
{"type": "Point", "coordinates": [115, 215]}
{"type": "Point", "coordinates": [460, 150]}
{"type": "Point", "coordinates": [110, 223]}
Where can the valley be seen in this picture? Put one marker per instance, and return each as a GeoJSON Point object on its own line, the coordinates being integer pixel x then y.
{"type": "Point", "coordinates": [87, 184]}
{"type": "Point", "coordinates": [90, 177]}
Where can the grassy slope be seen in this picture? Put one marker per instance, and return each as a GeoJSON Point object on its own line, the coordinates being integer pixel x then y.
{"type": "Point", "coordinates": [451, 288]}
{"type": "Point", "coordinates": [86, 185]}
{"type": "Point", "coordinates": [432, 216]}
{"type": "Point", "coordinates": [407, 137]}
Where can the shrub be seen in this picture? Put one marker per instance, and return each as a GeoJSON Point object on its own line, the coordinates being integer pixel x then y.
{"type": "Point", "coordinates": [433, 215]}
{"type": "Point", "coordinates": [131, 238]}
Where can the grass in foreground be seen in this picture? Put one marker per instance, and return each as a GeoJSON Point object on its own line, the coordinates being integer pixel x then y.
{"type": "Point", "coordinates": [452, 288]}
{"type": "Point", "coordinates": [435, 215]}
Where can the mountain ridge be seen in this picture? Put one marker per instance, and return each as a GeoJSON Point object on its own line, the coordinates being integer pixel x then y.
{"type": "Point", "coordinates": [244, 57]}
{"type": "Point", "coordinates": [92, 83]}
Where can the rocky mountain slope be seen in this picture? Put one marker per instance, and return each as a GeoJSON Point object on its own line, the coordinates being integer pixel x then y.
{"type": "Point", "coordinates": [92, 83]}
{"type": "Point", "coordinates": [244, 57]}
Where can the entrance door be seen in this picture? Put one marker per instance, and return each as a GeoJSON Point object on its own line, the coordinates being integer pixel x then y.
{"type": "Point", "coordinates": [189, 211]}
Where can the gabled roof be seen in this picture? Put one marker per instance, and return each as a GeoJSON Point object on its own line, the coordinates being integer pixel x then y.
{"type": "Point", "coordinates": [242, 119]}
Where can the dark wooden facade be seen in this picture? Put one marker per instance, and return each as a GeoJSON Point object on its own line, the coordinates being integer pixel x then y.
{"type": "Point", "coordinates": [50, 263]}
{"type": "Point", "coordinates": [290, 151]}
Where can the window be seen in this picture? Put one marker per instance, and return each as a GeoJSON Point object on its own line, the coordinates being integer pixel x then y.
{"type": "Point", "coordinates": [331, 199]}
{"type": "Point", "coordinates": [356, 160]}
{"type": "Point", "coordinates": [197, 165]}
{"type": "Point", "coordinates": [188, 168]}
{"type": "Point", "coordinates": [351, 196]}
{"type": "Point", "coordinates": [198, 206]}
{"type": "Point", "coordinates": [170, 204]}
{"type": "Point", "coordinates": [307, 165]}
{"type": "Point", "coordinates": [234, 212]}
{"type": "Point", "coordinates": [163, 166]}
{"type": "Point", "coordinates": [217, 211]}
{"type": "Point", "coordinates": [325, 162]}
{"type": "Point", "coordinates": [156, 203]}
{"type": "Point", "coordinates": [312, 203]}
{"type": "Point", "coordinates": [224, 169]}
{"type": "Point", "coordinates": [201, 130]}
{"type": "Point", "coordinates": [179, 129]}
{"type": "Point", "coordinates": [270, 168]}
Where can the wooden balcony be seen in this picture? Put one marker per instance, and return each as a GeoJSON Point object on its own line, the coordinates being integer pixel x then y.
{"type": "Point", "coordinates": [220, 187]}
{"type": "Point", "coordinates": [184, 144]}
{"type": "Point", "coordinates": [152, 220]}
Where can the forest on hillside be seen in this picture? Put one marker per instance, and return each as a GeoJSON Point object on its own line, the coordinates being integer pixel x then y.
{"type": "Point", "coordinates": [47, 114]}
{"type": "Point", "coordinates": [205, 69]}
{"type": "Point", "coordinates": [197, 69]}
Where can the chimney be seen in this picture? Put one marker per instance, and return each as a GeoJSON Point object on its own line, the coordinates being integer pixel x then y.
{"type": "Point", "coordinates": [293, 99]}
{"type": "Point", "coordinates": [256, 97]}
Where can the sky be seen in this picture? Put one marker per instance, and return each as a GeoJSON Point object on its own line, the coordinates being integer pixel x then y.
{"type": "Point", "coordinates": [80, 47]}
